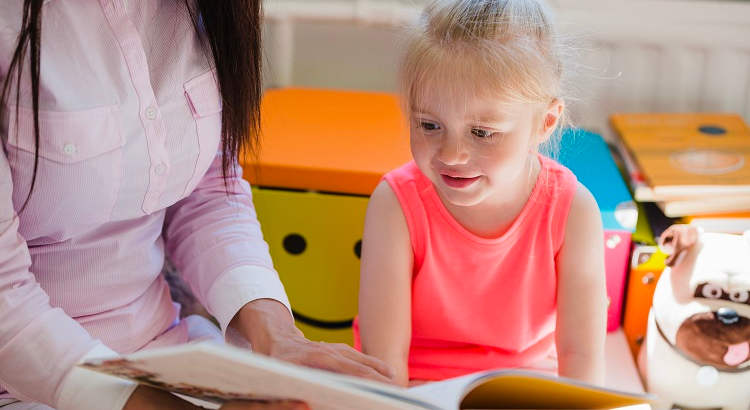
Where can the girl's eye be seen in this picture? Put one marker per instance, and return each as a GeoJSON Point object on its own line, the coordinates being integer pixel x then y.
{"type": "Point", "coordinates": [481, 133]}
{"type": "Point", "coordinates": [712, 291]}
{"type": "Point", "coordinates": [739, 296]}
{"type": "Point", "coordinates": [428, 126]}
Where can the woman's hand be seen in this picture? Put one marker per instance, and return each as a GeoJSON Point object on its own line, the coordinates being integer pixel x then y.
{"type": "Point", "coordinates": [270, 329]}
{"type": "Point", "coordinates": [146, 398]}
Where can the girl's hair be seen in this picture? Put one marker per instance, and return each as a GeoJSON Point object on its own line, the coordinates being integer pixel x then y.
{"type": "Point", "coordinates": [503, 48]}
{"type": "Point", "coordinates": [229, 29]}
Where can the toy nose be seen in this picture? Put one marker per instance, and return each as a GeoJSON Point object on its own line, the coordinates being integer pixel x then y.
{"type": "Point", "coordinates": [727, 316]}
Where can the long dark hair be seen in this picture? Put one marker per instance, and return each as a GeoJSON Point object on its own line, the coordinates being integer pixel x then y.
{"type": "Point", "coordinates": [230, 31]}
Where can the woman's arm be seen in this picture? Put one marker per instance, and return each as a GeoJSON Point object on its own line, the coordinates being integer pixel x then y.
{"type": "Point", "coordinates": [385, 283]}
{"type": "Point", "coordinates": [581, 293]}
{"type": "Point", "coordinates": [214, 239]}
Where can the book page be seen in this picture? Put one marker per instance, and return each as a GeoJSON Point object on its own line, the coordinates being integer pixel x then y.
{"type": "Point", "coordinates": [525, 389]}
{"type": "Point", "coordinates": [447, 393]}
{"type": "Point", "coordinates": [220, 373]}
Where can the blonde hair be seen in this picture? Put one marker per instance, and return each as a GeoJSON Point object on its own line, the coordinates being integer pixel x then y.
{"type": "Point", "coordinates": [504, 48]}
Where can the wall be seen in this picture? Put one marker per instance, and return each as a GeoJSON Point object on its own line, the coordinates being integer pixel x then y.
{"type": "Point", "coordinates": [636, 55]}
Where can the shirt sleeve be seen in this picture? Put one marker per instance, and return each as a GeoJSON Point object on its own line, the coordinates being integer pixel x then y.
{"type": "Point", "coordinates": [214, 240]}
{"type": "Point", "coordinates": [84, 389]}
{"type": "Point", "coordinates": [39, 344]}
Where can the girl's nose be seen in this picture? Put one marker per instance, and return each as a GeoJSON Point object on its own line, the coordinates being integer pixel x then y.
{"type": "Point", "coordinates": [452, 152]}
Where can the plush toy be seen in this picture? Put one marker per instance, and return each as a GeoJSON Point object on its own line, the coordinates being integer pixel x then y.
{"type": "Point", "coordinates": [697, 349]}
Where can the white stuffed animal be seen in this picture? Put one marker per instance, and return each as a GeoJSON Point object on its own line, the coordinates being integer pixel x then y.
{"type": "Point", "coordinates": [697, 349]}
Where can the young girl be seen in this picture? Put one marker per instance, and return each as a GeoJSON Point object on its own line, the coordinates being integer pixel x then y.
{"type": "Point", "coordinates": [482, 253]}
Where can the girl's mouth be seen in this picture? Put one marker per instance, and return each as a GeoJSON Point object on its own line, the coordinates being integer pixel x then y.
{"type": "Point", "coordinates": [458, 182]}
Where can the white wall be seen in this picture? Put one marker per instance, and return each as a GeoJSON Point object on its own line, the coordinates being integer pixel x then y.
{"type": "Point", "coordinates": [635, 55]}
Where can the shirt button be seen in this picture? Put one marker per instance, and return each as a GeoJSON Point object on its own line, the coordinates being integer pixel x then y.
{"type": "Point", "coordinates": [69, 149]}
{"type": "Point", "coordinates": [151, 113]}
{"type": "Point", "coordinates": [160, 169]}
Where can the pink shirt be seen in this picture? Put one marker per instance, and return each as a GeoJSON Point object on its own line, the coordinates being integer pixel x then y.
{"type": "Point", "coordinates": [481, 303]}
{"type": "Point", "coordinates": [130, 118]}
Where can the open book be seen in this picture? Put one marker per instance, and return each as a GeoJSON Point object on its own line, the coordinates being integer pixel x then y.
{"type": "Point", "coordinates": [216, 373]}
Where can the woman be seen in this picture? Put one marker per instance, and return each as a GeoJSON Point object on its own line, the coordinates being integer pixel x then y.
{"type": "Point", "coordinates": [121, 123]}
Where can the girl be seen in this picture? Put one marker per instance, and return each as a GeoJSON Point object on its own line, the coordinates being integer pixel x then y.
{"type": "Point", "coordinates": [482, 253]}
{"type": "Point", "coordinates": [120, 122]}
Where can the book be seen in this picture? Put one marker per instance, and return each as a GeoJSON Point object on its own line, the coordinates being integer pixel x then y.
{"type": "Point", "coordinates": [675, 207]}
{"type": "Point", "coordinates": [642, 192]}
{"type": "Point", "coordinates": [215, 373]}
{"type": "Point", "coordinates": [705, 205]}
{"type": "Point", "coordinates": [646, 266]}
{"type": "Point", "coordinates": [736, 223]}
{"type": "Point", "coordinates": [687, 155]}
{"type": "Point", "coordinates": [590, 159]}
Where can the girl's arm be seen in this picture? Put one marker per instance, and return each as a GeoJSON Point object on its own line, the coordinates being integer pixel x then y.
{"type": "Point", "coordinates": [385, 283]}
{"type": "Point", "coordinates": [581, 293]}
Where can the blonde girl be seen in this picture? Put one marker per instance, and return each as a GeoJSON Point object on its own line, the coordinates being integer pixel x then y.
{"type": "Point", "coordinates": [482, 253]}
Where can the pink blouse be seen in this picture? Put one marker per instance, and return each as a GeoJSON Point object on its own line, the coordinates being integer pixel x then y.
{"type": "Point", "coordinates": [129, 171]}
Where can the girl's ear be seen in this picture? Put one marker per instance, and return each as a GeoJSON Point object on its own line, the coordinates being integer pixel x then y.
{"type": "Point", "coordinates": [551, 119]}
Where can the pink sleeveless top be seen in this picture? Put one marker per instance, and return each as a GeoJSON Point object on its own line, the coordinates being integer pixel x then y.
{"type": "Point", "coordinates": [480, 303]}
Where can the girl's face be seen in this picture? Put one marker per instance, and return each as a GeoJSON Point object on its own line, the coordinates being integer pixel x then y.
{"type": "Point", "coordinates": [474, 148]}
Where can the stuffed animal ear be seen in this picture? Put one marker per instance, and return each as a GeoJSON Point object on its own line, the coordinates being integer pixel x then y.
{"type": "Point", "coordinates": [676, 239]}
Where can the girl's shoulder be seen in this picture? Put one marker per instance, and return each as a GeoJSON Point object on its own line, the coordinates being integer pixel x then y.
{"type": "Point", "coordinates": [406, 173]}
{"type": "Point", "coordinates": [558, 171]}
{"type": "Point", "coordinates": [408, 183]}
{"type": "Point", "coordinates": [559, 191]}
{"type": "Point", "coordinates": [559, 181]}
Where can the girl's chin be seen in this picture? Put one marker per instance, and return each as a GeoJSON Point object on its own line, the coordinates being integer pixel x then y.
{"type": "Point", "coordinates": [462, 199]}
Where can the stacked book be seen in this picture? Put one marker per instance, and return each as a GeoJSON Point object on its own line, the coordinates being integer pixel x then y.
{"type": "Point", "coordinates": [681, 168]}
{"type": "Point", "coordinates": [691, 166]}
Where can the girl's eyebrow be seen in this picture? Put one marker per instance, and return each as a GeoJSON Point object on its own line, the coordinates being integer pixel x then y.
{"type": "Point", "coordinates": [421, 111]}
{"type": "Point", "coordinates": [490, 117]}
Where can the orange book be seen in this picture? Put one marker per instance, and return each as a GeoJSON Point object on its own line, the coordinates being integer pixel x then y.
{"type": "Point", "coordinates": [689, 156]}
{"type": "Point", "coordinates": [647, 263]}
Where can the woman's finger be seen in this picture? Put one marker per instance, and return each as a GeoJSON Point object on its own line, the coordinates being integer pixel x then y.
{"type": "Point", "coordinates": [373, 362]}
{"type": "Point", "coordinates": [336, 362]}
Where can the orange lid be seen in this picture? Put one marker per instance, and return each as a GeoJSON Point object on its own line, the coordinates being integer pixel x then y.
{"type": "Point", "coordinates": [328, 140]}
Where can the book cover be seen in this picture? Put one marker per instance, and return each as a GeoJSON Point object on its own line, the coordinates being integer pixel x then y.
{"type": "Point", "coordinates": [218, 373]}
{"type": "Point", "coordinates": [646, 266]}
{"type": "Point", "coordinates": [590, 159]}
{"type": "Point", "coordinates": [688, 155]}
{"type": "Point", "coordinates": [643, 233]}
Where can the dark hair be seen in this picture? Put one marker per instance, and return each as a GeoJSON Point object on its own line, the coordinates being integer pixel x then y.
{"type": "Point", "coordinates": [230, 29]}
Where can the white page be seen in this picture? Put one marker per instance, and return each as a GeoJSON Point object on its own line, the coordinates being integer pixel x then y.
{"type": "Point", "coordinates": [446, 394]}
{"type": "Point", "coordinates": [229, 372]}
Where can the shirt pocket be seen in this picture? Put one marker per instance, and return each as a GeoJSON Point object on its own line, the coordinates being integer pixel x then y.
{"type": "Point", "coordinates": [79, 171]}
{"type": "Point", "coordinates": [204, 99]}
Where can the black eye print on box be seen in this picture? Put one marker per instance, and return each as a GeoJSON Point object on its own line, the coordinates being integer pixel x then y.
{"type": "Point", "coordinates": [358, 249]}
{"type": "Point", "coordinates": [295, 243]}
